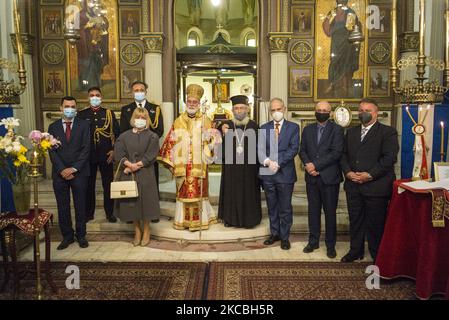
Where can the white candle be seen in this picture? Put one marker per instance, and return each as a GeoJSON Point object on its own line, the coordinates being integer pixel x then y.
{"type": "Point", "coordinates": [442, 138]}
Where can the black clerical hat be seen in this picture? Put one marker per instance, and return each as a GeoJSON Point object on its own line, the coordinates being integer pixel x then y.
{"type": "Point", "coordinates": [239, 99]}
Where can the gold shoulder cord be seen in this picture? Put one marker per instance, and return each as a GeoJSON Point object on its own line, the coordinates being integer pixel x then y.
{"type": "Point", "coordinates": [155, 124]}
{"type": "Point", "coordinates": [104, 130]}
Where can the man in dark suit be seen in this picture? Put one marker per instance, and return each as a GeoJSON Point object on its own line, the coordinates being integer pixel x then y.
{"type": "Point", "coordinates": [278, 145]}
{"type": "Point", "coordinates": [71, 171]}
{"type": "Point", "coordinates": [104, 129]}
{"type": "Point", "coordinates": [320, 152]}
{"type": "Point", "coordinates": [369, 155]}
{"type": "Point", "coordinates": [139, 90]}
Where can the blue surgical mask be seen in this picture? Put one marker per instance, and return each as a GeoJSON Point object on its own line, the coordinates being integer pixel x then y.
{"type": "Point", "coordinates": [69, 113]}
{"type": "Point", "coordinates": [95, 101]}
{"type": "Point", "coordinates": [139, 96]}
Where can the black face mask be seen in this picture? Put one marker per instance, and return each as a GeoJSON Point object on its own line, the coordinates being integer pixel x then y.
{"type": "Point", "coordinates": [322, 117]}
{"type": "Point", "coordinates": [365, 117]}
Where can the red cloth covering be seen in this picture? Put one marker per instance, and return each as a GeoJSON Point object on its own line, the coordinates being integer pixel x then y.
{"type": "Point", "coordinates": [26, 222]}
{"type": "Point", "coordinates": [412, 247]}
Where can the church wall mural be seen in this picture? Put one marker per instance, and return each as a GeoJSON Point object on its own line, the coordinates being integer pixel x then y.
{"type": "Point", "coordinates": [109, 53]}
{"type": "Point", "coordinates": [323, 65]}
{"type": "Point", "coordinates": [94, 59]}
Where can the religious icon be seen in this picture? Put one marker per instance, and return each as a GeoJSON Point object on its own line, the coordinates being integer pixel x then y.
{"type": "Point", "coordinates": [130, 23]}
{"type": "Point", "coordinates": [52, 24]}
{"type": "Point", "coordinates": [54, 83]}
{"type": "Point", "coordinates": [94, 59]}
{"type": "Point", "coordinates": [384, 23]}
{"type": "Point", "coordinates": [378, 85]}
{"type": "Point", "coordinates": [302, 21]}
{"type": "Point", "coordinates": [300, 81]}
{"type": "Point", "coordinates": [128, 77]}
{"type": "Point", "coordinates": [339, 65]}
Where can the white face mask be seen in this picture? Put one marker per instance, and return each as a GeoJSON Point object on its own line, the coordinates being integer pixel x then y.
{"type": "Point", "coordinates": [277, 116]}
{"type": "Point", "coordinates": [140, 123]}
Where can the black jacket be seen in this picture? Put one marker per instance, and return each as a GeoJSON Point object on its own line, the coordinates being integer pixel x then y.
{"type": "Point", "coordinates": [127, 112]}
{"type": "Point", "coordinates": [326, 155]}
{"type": "Point", "coordinates": [376, 154]}
{"type": "Point", "coordinates": [100, 145]}
{"type": "Point", "coordinates": [74, 153]}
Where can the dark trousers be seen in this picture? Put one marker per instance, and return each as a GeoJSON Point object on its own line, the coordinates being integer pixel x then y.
{"type": "Point", "coordinates": [280, 210]}
{"type": "Point", "coordinates": [366, 218]}
{"type": "Point", "coordinates": [320, 195]}
{"type": "Point", "coordinates": [107, 175]}
{"type": "Point", "coordinates": [62, 188]}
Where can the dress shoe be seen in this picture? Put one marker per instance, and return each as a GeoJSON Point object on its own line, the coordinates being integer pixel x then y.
{"type": "Point", "coordinates": [310, 247]}
{"type": "Point", "coordinates": [112, 219]}
{"type": "Point", "coordinates": [272, 239]}
{"type": "Point", "coordinates": [350, 258]}
{"type": "Point", "coordinates": [331, 253]}
{"type": "Point", "coordinates": [285, 244]}
{"type": "Point", "coordinates": [64, 244]}
{"type": "Point", "coordinates": [155, 220]}
{"type": "Point", "coordinates": [227, 225]}
{"type": "Point", "coordinates": [83, 242]}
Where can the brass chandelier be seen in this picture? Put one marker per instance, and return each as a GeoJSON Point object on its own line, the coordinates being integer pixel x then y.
{"type": "Point", "coordinates": [420, 90]}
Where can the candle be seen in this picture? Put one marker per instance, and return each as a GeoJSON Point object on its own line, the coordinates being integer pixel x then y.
{"type": "Point", "coordinates": [442, 139]}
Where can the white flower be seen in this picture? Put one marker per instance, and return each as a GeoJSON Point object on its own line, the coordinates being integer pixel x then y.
{"type": "Point", "coordinates": [10, 122]}
{"type": "Point", "coordinates": [16, 146]}
{"type": "Point", "coordinates": [8, 148]}
{"type": "Point", "coordinates": [4, 142]}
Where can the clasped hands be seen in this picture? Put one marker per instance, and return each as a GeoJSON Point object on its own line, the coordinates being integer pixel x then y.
{"type": "Point", "coordinates": [68, 173]}
{"type": "Point", "coordinates": [132, 167]}
{"type": "Point", "coordinates": [359, 177]}
{"type": "Point", "coordinates": [310, 168]}
{"type": "Point", "coordinates": [272, 165]}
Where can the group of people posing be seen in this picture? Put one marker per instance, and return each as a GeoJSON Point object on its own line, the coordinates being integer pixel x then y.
{"type": "Point", "coordinates": [251, 158]}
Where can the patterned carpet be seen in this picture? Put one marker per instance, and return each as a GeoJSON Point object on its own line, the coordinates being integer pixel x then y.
{"type": "Point", "coordinates": [299, 281]}
{"type": "Point", "coordinates": [121, 281]}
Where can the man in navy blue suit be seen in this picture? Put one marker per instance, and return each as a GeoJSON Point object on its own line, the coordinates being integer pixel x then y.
{"type": "Point", "coordinates": [321, 149]}
{"type": "Point", "coordinates": [71, 171]}
{"type": "Point", "coordinates": [278, 146]}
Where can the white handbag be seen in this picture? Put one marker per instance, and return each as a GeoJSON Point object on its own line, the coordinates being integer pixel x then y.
{"type": "Point", "coordinates": [123, 189]}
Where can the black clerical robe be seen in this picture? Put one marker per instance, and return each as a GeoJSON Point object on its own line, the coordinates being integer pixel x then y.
{"type": "Point", "coordinates": [240, 203]}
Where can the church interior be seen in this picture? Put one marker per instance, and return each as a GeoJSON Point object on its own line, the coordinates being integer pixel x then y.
{"type": "Point", "coordinates": [394, 52]}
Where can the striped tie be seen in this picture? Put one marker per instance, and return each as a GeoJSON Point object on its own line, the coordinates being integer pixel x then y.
{"type": "Point", "coordinates": [364, 131]}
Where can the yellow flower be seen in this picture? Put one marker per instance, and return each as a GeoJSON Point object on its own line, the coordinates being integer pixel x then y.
{"type": "Point", "coordinates": [45, 144]}
{"type": "Point", "coordinates": [16, 163]}
{"type": "Point", "coordinates": [22, 159]}
{"type": "Point", "coordinates": [23, 150]}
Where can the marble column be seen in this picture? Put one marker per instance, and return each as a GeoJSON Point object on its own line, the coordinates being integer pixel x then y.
{"type": "Point", "coordinates": [153, 43]}
{"type": "Point", "coordinates": [279, 64]}
{"type": "Point", "coordinates": [26, 111]}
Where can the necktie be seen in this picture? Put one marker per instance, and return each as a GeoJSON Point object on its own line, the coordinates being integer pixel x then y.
{"type": "Point", "coordinates": [320, 133]}
{"type": "Point", "coordinates": [276, 131]}
{"type": "Point", "coordinates": [68, 130]}
{"type": "Point", "coordinates": [364, 131]}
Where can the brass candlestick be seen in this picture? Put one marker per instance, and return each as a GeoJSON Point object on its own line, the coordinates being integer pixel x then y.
{"type": "Point", "coordinates": [35, 173]}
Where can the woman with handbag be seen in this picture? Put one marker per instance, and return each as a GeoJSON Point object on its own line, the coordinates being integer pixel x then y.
{"type": "Point", "coordinates": [136, 151]}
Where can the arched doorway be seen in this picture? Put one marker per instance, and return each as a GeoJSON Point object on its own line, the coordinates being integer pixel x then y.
{"type": "Point", "coordinates": [221, 24]}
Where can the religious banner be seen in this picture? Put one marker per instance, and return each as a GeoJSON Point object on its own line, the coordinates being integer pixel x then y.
{"type": "Point", "coordinates": [424, 132]}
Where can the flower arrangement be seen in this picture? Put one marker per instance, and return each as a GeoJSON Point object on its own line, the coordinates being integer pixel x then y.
{"type": "Point", "coordinates": [13, 151]}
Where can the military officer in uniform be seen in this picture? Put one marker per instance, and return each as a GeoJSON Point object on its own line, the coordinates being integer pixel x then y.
{"type": "Point", "coordinates": [156, 125]}
{"type": "Point", "coordinates": [104, 130]}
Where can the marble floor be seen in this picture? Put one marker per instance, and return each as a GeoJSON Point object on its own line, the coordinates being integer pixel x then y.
{"type": "Point", "coordinates": [124, 251]}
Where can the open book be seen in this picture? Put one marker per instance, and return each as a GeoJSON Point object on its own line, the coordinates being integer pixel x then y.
{"type": "Point", "coordinates": [421, 186]}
